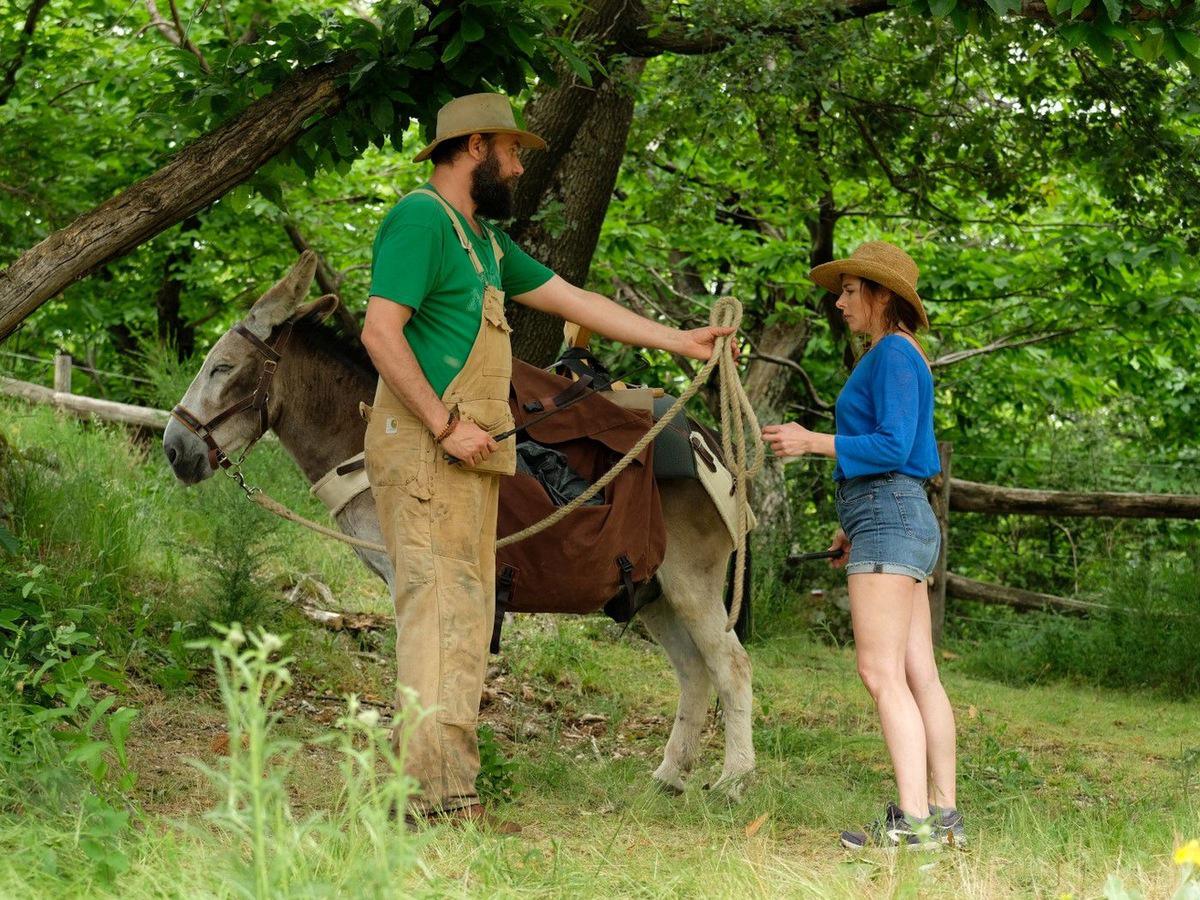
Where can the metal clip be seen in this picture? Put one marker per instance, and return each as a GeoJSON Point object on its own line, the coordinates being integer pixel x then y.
{"type": "Point", "coordinates": [235, 472]}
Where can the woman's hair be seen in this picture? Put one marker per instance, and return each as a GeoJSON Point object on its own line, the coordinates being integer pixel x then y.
{"type": "Point", "coordinates": [897, 313]}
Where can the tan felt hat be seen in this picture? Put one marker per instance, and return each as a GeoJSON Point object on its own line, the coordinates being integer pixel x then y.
{"type": "Point", "coordinates": [478, 114]}
{"type": "Point", "coordinates": [882, 263]}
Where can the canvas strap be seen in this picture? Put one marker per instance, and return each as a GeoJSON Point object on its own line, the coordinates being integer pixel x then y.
{"type": "Point", "coordinates": [462, 233]}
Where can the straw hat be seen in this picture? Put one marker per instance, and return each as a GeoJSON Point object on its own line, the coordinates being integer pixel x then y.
{"type": "Point", "coordinates": [882, 263]}
{"type": "Point", "coordinates": [478, 114]}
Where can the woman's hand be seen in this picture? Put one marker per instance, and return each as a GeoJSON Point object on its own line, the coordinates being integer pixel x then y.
{"type": "Point", "coordinates": [840, 542]}
{"type": "Point", "coordinates": [791, 439]}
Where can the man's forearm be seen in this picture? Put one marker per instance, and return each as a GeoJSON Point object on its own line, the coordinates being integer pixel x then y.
{"type": "Point", "coordinates": [400, 371]}
{"type": "Point", "coordinates": [611, 320]}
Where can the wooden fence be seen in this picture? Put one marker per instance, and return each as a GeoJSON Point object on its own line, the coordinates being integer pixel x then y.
{"type": "Point", "coordinates": [949, 494]}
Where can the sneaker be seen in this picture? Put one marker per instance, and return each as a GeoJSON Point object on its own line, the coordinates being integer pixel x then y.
{"type": "Point", "coordinates": [894, 830]}
{"type": "Point", "coordinates": [948, 826]}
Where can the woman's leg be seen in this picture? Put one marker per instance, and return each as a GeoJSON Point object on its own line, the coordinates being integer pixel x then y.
{"type": "Point", "coordinates": [881, 609]}
{"type": "Point", "coordinates": [920, 668]}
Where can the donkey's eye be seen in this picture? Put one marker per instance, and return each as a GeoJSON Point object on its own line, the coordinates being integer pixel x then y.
{"type": "Point", "coordinates": [220, 369]}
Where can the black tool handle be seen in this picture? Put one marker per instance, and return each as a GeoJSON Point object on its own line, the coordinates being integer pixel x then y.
{"type": "Point", "coordinates": [820, 554]}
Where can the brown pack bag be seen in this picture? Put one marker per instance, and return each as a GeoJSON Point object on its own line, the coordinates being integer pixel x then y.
{"type": "Point", "coordinates": [598, 554]}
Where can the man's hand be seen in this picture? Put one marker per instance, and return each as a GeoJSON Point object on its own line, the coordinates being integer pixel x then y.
{"type": "Point", "coordinates": [470, 443]}
{"type": "Point", "coordinates": [699, 342]}
{"type": "Point", "coordinates": [840, 542]}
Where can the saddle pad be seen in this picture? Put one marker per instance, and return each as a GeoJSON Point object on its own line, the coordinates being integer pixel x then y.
{"type": "Point", "coordinates": [673, 453]}
{"type": "Point", "coordinates": [335, 490]}
{"type": "Point", "coordinates": [718, 482]}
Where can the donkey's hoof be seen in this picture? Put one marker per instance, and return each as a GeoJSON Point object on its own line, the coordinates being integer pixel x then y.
{"type": "Point", "coordinates": [732, 786]}
{"type": "Point", "coordinates": [669, 784]}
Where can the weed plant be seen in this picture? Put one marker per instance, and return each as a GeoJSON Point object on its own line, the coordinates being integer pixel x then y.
{"type": "Point", "coordinates": [360, 847]}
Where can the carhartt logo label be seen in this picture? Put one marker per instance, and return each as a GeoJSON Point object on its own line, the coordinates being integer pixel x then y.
{"type": "Point", "coordinates": [389, 427]}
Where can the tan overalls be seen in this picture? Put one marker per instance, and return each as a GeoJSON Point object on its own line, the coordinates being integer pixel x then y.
{"type": "Point", "coordinates": [439, 524]}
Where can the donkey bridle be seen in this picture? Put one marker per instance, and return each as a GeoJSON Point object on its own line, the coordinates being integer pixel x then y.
{"type": "Point", "coordinates": [271, 354]}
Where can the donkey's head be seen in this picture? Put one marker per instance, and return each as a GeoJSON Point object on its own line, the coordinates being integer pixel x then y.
{"type": "Point", "coordinates": [233, 373]}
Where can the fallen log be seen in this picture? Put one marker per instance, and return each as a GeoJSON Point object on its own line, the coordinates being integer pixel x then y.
{"type": "Point", "coordinates": [971, 496]}
{"type": "Point", "coordinates": [983, 592]}
{"type": "Point", "coordinates": [108, 410]}
{"type": "Point", "coordinates": [335, 620]}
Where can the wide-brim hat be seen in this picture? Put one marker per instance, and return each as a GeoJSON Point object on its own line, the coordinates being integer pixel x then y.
{"type": "Point", "coordinates": [880, 262]}
{"type": "Point", "coordinates": [478, 114]}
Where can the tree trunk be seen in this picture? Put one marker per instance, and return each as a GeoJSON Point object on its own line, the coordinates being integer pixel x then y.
{"type": "Point", "coordinates": [767, 383]}
{"type": "Point", "coordinates": [582, 187]}
{"type": "Point", "coordinates": [197, 176]}
{"type": "Point", "coordinates": [173, 330]}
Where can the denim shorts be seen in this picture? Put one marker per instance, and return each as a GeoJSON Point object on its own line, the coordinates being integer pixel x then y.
{"type": "Point", "coordinates": [890, 524]}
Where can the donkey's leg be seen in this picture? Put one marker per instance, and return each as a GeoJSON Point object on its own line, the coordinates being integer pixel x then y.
{"type": "Point", "coordinates": [693, 581]}
{"type": "Point", "coordinates": [360, 519]}
{"type": "Point", "coordinates": [695, 688]}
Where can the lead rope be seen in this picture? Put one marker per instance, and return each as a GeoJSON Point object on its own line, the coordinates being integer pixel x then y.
{"type": "Point", "coordinates": [737, 420]}
{"type": "Point", "coordinates": [736, 412]}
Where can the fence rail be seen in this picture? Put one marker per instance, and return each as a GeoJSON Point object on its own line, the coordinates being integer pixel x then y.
{"type": "Point", "coordinates": [971, 496]}
{"type": "Point", "coordinates": [86, 406]}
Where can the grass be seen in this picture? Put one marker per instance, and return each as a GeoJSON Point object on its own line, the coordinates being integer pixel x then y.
{"type": "Point", "coordinates": [1064, 785]}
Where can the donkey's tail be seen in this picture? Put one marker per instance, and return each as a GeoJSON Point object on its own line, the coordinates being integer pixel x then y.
{"type": "Point", "coordinates": [744, 626]}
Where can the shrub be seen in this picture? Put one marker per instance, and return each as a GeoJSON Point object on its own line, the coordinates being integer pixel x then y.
{"type": "Point", "coordinates": [1147, 639]}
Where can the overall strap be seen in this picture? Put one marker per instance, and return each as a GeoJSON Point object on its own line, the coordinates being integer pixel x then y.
{"type": "Point", "coordinates": [462, 233]}
{"type": "Point", "coordinates": [497, 253]}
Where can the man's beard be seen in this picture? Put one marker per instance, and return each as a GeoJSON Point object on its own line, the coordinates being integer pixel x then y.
{"type": "Point", "coordinates": [492, 194]}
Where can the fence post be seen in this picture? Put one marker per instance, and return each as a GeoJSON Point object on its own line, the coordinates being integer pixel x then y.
{"type": "Point", "coordinates": [939, 499]}
{"type": "Point", "coordinates": [62, 372]}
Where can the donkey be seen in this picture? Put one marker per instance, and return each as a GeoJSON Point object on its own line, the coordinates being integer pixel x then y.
{"type": "Point", "coordinates": [311, 403]}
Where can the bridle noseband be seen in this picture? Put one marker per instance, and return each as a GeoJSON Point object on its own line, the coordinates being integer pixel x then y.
{"type": "Point", "coordinates": [271, 353]}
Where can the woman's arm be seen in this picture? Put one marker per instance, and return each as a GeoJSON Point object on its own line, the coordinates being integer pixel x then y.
{"type": "Point", "coordinates": [793, 439]}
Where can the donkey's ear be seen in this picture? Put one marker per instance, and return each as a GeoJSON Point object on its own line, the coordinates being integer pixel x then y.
{"type": "Point", "coordinates": [319, 310]}
{"type": "Point", "coordinates": [278, 304]}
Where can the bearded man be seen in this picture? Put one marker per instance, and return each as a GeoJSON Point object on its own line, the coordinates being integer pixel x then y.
{"type": "Point", "coordinates": [436, 331]}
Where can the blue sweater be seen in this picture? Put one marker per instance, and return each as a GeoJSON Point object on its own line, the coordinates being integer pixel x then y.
{"type": "Point", "coordinates": [884, 414]}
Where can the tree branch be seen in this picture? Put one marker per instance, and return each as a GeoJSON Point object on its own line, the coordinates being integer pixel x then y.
{"type": "Point", "coordinates": [9, 81]}
{"type": "Point", "coordinates": [999, 344]}
{"type": "Point", "coordinates": [816, 398]}
{"type": "Point", "coordinates": [174, 32]}
{"type": "Point", "coordinates": [645, 38]}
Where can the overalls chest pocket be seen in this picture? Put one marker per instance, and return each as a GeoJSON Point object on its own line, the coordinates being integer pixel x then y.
{"type": "Point", "coordinates": [484, 390]}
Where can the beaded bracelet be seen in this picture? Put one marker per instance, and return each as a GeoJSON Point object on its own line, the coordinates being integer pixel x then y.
{"type": "Point", "coordinates": [451, 424]}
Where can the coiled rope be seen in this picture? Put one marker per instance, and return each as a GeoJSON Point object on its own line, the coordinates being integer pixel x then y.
{"type": "Point", "coordinates": [737, 420]}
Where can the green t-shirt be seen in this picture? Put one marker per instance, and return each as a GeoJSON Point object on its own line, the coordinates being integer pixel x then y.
{"type": "Point", "coordinates": [418, 261]}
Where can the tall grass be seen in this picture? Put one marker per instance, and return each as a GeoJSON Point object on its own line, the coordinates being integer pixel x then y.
{"type": "Point", "coordinates": [271, 852]}
{"type": "Point", "coordinates": [1147, 639]}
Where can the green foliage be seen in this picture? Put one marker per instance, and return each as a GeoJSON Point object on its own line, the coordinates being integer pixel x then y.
{"type": "Point", "coordinates": [243, 542]}
{"type": "Point", "coordinates": [62, 734]}
{"type": "Point", "coordinates": [495, 783]}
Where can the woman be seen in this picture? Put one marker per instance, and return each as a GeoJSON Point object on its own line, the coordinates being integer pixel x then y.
{"type": "Point", "coordinates": [885, 449]}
